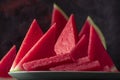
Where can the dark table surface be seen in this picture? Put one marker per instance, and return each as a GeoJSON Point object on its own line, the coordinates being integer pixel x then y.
{"type": "Point", "coordinates": [17, 15]}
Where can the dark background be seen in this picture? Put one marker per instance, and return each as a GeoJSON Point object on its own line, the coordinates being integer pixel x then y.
{"type": "Point", "coordinates": [17, 15]}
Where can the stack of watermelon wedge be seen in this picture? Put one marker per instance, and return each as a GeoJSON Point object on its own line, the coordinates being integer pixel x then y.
{"type": "Point", "coordinates": [63, 48]}
{"type": "Point", "coordinates": [60, 48]}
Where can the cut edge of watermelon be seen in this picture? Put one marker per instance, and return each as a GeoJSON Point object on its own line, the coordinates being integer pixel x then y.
{"type": "Point", "coordinates": [102, 38]}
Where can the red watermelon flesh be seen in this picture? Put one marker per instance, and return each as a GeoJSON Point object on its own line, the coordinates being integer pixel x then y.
{"type": "Point", "coordinates": [82, 60]}
{"type": "Point", "coordinates": [46, 63]}
{"type": "Point", "coordinates": [68, 37]}
{"type": "Point", "coordinates": [80, 49]}
{"type": "Point", "coordinates": [78, 62]}
{"type": "Point", "coordinates": [6, 62]}
{"type": "Point", "coordinates": [90, 66]}
{"type": "Point", "coordinates": [42, 49]}
{"type": "Point", "coordinates": [85, 29]}
{"type": "Point", "coordinates": [58, 17]}
{"type": "Point", "coordinates": [34, 33]}
{"type": "Point", "coordinates": [106, 68]}
{"type": "Point", "coordinates": [96, 51]}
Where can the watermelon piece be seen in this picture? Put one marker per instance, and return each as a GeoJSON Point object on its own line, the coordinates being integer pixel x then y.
{"type": "Point", "coordinates": [76, 63]}
{"type": "Point", "coordinates": [80, 49]}
{"type": "Point", "coordinates": [68, 37]}
{"type": "Point", "coordinates": [46, 63]}
{"type": "Point", "coordinates": [34, 33]}
{"type": "Point", "coordinates": [6, 62]}
{"type": "Point", "coordinates": [59, 17]}
{"type": "Point", "coordinates": [96, 51]}
{"type": "Point", "coordinates": [90, 66]}
{"type": "Point", "coordinates": [42, 49]}
{"type": "Point", "coordinates": [86, 30]}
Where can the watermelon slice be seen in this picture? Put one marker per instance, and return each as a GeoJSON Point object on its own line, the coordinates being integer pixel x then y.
{"type": "Point", "coordinates": [86, 30]}
{"type": "Point", "coordinates": [6, 62]}
{"type": "Point", "coordinates": [46, 63]}
{"type": "Point", "coordinates": [42, 49]}
{"type": "Point", "coordinates": [81, 48]}
{"type": "Point", "coordinates": [96, 51]}
{"type": "Point", "coordinates": [34, 33]}
{"type": "Point", "coordinates": [59, 17]}
{"type": "Point", "coordinates": [68, 37]}
{"type": "Point", "coordinates": [90, 66]}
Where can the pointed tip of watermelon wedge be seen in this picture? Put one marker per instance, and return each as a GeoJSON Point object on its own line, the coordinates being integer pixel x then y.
{"type": "Point", "coordinates": [10, 53]}
{"type": "Point", "coordinates": [35, 24]}
{"type": "Point", "coordinates": [55, 6]}
{"type": "Point", "coordinates": [98, 31]}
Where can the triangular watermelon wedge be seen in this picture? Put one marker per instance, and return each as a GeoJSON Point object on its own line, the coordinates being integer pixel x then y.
{"type": "Point", "coordinates": [86, 30]}
{"type": "Point", "coordinates": [96, 51]}
{"type": "Point", "coordinates": [42, 49]}
{"type": "Point", "coordinates": [33, 34]}
{"type": "Point", "coordinates": [58, 17]}
{"type": "Point", "coordinates": [68, 37]}
{"type": "Point", "coordinates": [81, 48]}
{"type": "Point", "coordinates": [6, 62]}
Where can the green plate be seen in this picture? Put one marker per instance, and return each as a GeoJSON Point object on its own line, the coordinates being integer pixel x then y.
{"type": "Point", "coordinates": [63, 75]}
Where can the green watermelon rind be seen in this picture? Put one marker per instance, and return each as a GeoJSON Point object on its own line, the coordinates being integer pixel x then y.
{"type": "Point", "coordinates": [114, 69]}
{"type": "Point", "coordinates": [102, 38]}
{"type": "Point", "coordinates": [61, 11]}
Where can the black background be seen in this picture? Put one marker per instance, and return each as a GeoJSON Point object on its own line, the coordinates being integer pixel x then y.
{"type": "Point", "coordinates": [17, 15]}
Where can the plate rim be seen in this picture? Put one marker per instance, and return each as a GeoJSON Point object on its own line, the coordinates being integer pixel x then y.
{"type": "Point", "coordinates": [30, 75]}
